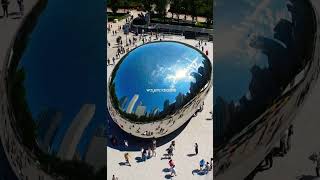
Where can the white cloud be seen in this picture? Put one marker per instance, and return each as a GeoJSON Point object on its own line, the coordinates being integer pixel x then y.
{"type": "Point", "coordinates": [258, 21]}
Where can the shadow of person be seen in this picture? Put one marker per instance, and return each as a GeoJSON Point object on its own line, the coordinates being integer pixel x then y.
{"type": "Point", "coordinates": [198, 172]}
{"type": "Point", "coordinates": [166, 170]}
{"type": "Point", "coordinates": [18, 17]}
{"type": "Point", "coordinates": [168, 176]}
{"type": "Point", "coordinates": [277, 152]}
{"type": "Point", "coordinates": [138, 159]}
{"type": "Point", "coordinates": [165, 156]}
{"type": "Point", "coordinates": [13, 14]}
{"type": "Point", "coordinates": [259, 168]}
{"type": "Point", "coordinates": [307, 177]}
{"type": "Point", "coordinates": [191, 155]}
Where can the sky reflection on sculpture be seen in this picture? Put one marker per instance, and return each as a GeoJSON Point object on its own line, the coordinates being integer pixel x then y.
{"type": "Point", "coordinates": [155, 73]}
{"type": "Point", "coordinates": [234, 59]}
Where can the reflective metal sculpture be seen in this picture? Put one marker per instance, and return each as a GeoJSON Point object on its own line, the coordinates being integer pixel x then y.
{"type": "Point", "coordinates": [261, 78]}
{"type": "Point", "coordinates": [157, 87]}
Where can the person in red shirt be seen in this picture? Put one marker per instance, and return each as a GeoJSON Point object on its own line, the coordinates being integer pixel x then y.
{"type": "Point", "coordinates": [171, 164]}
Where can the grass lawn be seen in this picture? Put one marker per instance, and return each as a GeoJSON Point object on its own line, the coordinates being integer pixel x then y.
{"type": "Point", "coordinates": [118, 16]}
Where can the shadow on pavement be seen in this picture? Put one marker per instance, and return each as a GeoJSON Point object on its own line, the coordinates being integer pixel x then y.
{"type": "Point", "coordinates": [307, 177]}
{"type": "Point", "coordinates": [165, 156]}
{"type": "Point", "coordinates": [258, 169]}
{"type": "Point", "coordinates": [123, 164]}
{"type": "Point", "coordinates": [166, 170]}
{"type": "Point", "coordinates": [191, 155]}
{"type": "Point", "coordinates": [198, 172]}
{"type": "Point", "coordinates": [168, 176]}
{"type": "Point", "coordinates": [135, 143]}
{"type": "Point", "coordinates": [13, 13]}
{"type": "Point", "coordinates": [138, 159]}
{"type": "Point", "coordinates": [18, 17]}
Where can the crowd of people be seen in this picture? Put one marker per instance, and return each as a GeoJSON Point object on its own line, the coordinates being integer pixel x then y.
{"type": "Point", "coordinates": [5, 7]}
{"type": "Point", "coordinates": [281, 151]}
{"type": "Point", "coordinates": [149, 152]}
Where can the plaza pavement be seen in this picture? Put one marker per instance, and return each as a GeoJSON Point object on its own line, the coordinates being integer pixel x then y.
{"type": "Point", "coordinates": [198, 130]}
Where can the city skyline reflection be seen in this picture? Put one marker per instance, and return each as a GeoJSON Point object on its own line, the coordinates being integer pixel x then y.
{"type": "Point", "coordinates": [156, 79]}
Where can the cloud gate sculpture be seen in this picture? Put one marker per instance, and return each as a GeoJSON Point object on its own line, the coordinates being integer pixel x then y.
{"type": "Point", "coordinates": [158, 87]}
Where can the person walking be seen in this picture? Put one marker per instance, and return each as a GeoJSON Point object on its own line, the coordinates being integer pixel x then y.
{"type": "Point", "coordinates": [127, 157]}
{"type": "Point", "coordinates": [144, 155]}
{"type": "Point", "coordinates": [171, 163]}
{"type": "Point", "coordinates": [149, 152]}
{"type": "Point", "coordinates": [317, 161]}
{"type": "Point", "coordinates": [290, 133]}
{"type": "Point", "coordinates": [154, 143]}
{"type": "Point", "coordinates": [173, 145]}
{"type": "Point", "coordinates": [5, 4]}
{"type": "Point", "coordinates": [153, 149]}
{"type": "Point", "coordinates": [196, 148]}
{"type": "Point", "coordinates": [172, 167]}
{"type": "Point", "coordinates": [126, 144]}
{"type": "Point", "coordinates": [114, 178]}
{"type": "Point", "coordinates": [21, 7]}
{"type": "Point", "coordinates": [202, 164]}
{"type": "Point", "coordinates": [211, 164]}
{"type": "Point", "coordinates": [207, 168]}
{"type": "Point", "coordinates": [173, 171]}
{"type": "Point", "coordinates": [142, 149]}
{"type": "Point", "coordinates": [170, 151]}
{"type": "Point", "coordinates": [283, 148]}
{"type": "Point", "coordinates": [269, 159]}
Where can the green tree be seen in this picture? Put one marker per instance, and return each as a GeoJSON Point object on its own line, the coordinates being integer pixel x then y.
{"type": "Point", "coordinates": [114, 5]}
{"type": "Point", "coordinates": [175, 8]}
{"type": "Point", "coordinates": [195, 7]}
{"type": "Point", "coordinates": [161, 8]}
{"type": "Point", "coordinates": [209, 12]}
{"type": "Point", "coordinates": [125, 4]}
{"type": "Point", "coordinates": [184, 7]}
{"type": "Point", "coordinates": [147, 5]}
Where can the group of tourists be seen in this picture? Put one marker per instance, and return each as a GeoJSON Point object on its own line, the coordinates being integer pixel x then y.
{"type": "Point", "coordinates": [285, 146]}
{"type": "Point", "coordinates": [201, 44]}
{"type": "Point", "coordinates": [170, 150]}
{"type": "Point", "coordinates": [146, 153]}
{"type": "Point", "coordinates": [5, 6]}
{"type": "Point", "coordinates": [205, 167]}
{"type": "Point", "coordinates": [282, 150]}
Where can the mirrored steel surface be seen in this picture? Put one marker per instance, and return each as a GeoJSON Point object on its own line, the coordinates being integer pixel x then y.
{"type": "Point", "coordinates": [157, 79]}
{"type": "Point", "coordinates": [265, 64]}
